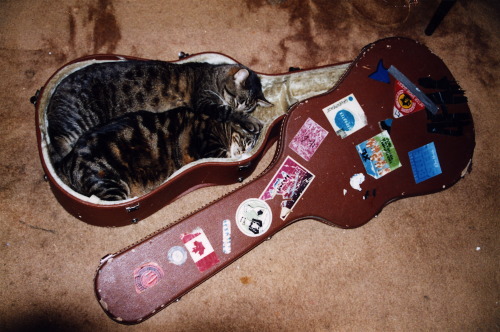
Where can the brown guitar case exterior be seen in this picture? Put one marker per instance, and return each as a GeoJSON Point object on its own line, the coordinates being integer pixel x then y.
{"type": "Point", "coordinates": [396, 125]}
{"type": "Point", "coordinates": [282, 90]}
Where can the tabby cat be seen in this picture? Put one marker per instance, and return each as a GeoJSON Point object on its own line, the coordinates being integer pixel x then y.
{"type": "Point", "coordinates": [98, 93]}
{"type": "Point", "coordinates": [137, 151]}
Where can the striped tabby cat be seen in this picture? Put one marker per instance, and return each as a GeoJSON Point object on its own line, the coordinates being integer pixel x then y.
{"type": "Point", "coordinates": [99, 93]}
{"type": "Point", "coordinates": [136, 152]}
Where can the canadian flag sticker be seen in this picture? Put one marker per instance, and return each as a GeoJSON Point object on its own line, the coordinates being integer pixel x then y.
{"type": "Point", "coordinates": [200, 249]}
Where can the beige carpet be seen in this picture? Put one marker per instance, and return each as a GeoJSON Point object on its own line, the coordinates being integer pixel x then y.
{"type": "Point", "coordinates": [425, 264]}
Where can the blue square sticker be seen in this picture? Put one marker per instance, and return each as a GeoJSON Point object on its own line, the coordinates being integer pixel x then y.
{"type": "Point", "coordinates": [424, 162]}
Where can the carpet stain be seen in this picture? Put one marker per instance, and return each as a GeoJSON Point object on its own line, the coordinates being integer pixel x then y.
{"type": "Point", "coordinates": [323, 31]}
{"type": "Point", "coordinates": [246, 280]}
{"type": "Point", "coordinates": [29, 73]}
{"type": "Point", "coordinates": [92, 28]}
{"type": "Point", "coordinates": [384, 12]}
{"type": "Point", "coordinates": [106, 34]}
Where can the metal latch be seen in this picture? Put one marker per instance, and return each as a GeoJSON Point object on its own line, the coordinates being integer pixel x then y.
{"type": "Point", "coordinates": [133, 208]}
{"type": "Point", "coordinates": [244, 167]}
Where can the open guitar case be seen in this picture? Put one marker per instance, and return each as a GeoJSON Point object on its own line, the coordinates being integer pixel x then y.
{"type": "Point", "coordinates": [282, 90]}
{"type": "Point", "coordinates": [352, 138]}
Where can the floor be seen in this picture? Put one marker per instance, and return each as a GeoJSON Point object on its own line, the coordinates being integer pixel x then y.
{"type": "Point", "coordinates": [428, 263]}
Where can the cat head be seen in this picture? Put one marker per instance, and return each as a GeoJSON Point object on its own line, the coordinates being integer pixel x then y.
{"type": "Point", "coordinates": [243, 90]}
{"type": "Point", "coordinates": [225, 140]}
{"type": "Point", "coordinates": [242, 142]}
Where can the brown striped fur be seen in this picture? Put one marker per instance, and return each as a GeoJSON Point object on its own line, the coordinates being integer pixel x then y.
{"type": "Point", "coordinates": [138, 151]}
{"type": "Point", "coordinates": [101, 92]}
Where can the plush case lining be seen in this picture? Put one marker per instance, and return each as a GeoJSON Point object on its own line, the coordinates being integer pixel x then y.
{"type": "Point", "coordinates": [282, 90]}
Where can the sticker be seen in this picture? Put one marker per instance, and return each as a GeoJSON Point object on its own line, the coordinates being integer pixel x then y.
{"type": "Point", "coordinates": [147, 276]}
{"type": "Point", "coordinates": [385, 125]}
{"type": "Point", "coordinates": [226, 236]}
{"type": "Point", "coordinates": [381, 74]}
{"type": "Point", "coordinates": [424, 162]}
{"type": "Point", "coordinates": [356, 181]}
{"type": "Point", "coordinates": [200, 249]}
{"type": "Point", "coordinates": [451, 124]}
{"type": "Point", "coordinates": [399, 76]}
{"type": "Point", "coordinates": [177, 255]}
{"type": "Point", "coordinates": [308, 138]}
{"type": "Point", "coordinates": [254, 217]}
{"type": "Point", "coordinates": [290, 181]}
{"type": "Point", "coordinates": [405, 102]}
{"type": "Point", "coordinates": [378, 155]}
{"type": "Point", "coordinates": [346, 116]}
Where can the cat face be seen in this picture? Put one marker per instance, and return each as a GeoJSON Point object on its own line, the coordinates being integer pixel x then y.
{"type": "Point", "coordinates": [243, 91]}
{"type": "Point", "coordinates": [241, 144]}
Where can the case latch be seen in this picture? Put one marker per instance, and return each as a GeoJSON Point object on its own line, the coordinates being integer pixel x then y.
{"type": "Point", "coordinates": [133, 207]}
{"type": "Point", "coordinates": [244, 167]}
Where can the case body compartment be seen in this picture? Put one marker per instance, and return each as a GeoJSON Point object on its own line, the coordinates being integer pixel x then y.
{"type": "Point", "coordinates": [283, 90]}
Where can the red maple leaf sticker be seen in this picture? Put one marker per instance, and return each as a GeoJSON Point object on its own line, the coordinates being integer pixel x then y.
{"type": "Point", "coordinates": [198, 248]}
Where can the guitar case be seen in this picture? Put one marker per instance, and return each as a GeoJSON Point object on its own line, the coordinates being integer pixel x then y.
{"type": "Point", "coordinates": [283, 90]}
{"type": "Point", "coordinates": [396, 125]}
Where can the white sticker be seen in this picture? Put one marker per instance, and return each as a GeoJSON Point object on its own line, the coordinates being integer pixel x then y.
{"type": "Point", "coordinates": [346, 116]}
{"type": "Point", "coordinates": [177, 255]}
{"type": "Point", "coordinates": [226, 236]}
{"type": "Point", "coordinates": [356, 181]}
{"type": "Point", "coordinates": [253, 217]}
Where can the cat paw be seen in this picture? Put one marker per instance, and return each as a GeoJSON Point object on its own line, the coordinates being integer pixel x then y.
{"type": "Point", "coordinates": [253, 125]}
{"type": "Point", "coordinates": [248, 123]}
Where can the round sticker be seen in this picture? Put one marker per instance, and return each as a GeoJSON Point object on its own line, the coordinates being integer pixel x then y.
{"type": "Point", "coordinates": [253, 217]}
{"type": "Point", "coordinates": [147, 276]}
{"type": "Point", "coordinates": [405, 102]}
{"type": "Point", "coordinates": [344, 120]}
{"type": "Point", "coordinates": [177, 255]}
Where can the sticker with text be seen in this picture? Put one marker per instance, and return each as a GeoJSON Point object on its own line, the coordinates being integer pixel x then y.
{"type": "Point", "coordinates": [254, 217]}
{"type": "Point", "coordinates": [378, 155]}
{"type": "Point", "coordinates": [308, 139]}
{"type": "Point", "coordinates": [346, 116]}
{"type": "Point", "coordinates": [226, 236]}
{"type": "Point", "coordinates": [147, 276]}
{"type": "Point", "coordinates": [200, 249]}
{"type": "Point", "coordinates": [405, 102]}
{"type": "Point", "coordinates": [290, 182]}
{"type": "Point", "coordinates": [424, 162]}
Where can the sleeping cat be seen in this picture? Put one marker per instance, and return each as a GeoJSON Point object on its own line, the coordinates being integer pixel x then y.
{"type": "Point", "coordinates": [99, 93]}
{"type": "Point", "coordinates": [137, 151]}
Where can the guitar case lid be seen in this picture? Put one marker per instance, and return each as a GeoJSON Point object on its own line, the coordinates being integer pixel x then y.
{"type": "Point", "coordinates": [396, 125]}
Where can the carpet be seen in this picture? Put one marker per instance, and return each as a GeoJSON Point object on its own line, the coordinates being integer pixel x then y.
{"type": "Point", "coordinates": [424, 264]}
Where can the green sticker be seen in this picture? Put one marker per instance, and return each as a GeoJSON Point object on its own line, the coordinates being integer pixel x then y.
{"type": "Point", "coordinates": [379, 155]}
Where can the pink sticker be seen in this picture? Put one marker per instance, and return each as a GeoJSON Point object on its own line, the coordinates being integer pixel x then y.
{"type": "Point", "coordinates": [290, 182]}
{"type": "Point", "coordinates": [308, 138]}
{"type": "Point", "coordinates": [200, 249]}
{"type": "Point", "coordinates": [147, 276]}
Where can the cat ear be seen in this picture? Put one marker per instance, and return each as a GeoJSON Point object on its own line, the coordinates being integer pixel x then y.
{"type": "Point", "coordinates": [264, 103]}
{"type": "Point", "coordinates": [240, 76]}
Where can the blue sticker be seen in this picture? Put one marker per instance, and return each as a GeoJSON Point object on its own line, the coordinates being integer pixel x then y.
{"type": "Point", "coordinates": [381, 74]}
{"type": "Point", "coordinates": [424, 162]}
{"type": "Point", "coordinates": [346, 116]}
{"type": "Point", "coordinates": [344, 120]}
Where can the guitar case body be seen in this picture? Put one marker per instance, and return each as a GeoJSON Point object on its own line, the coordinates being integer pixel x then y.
{"type": "Point", "coordinates": [395, 125]}
{"type": "Point", "coordinates": [283, 90]}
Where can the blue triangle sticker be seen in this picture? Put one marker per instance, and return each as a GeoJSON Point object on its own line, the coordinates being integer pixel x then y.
{"type": "Point", "coordinates": [381, 74]}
